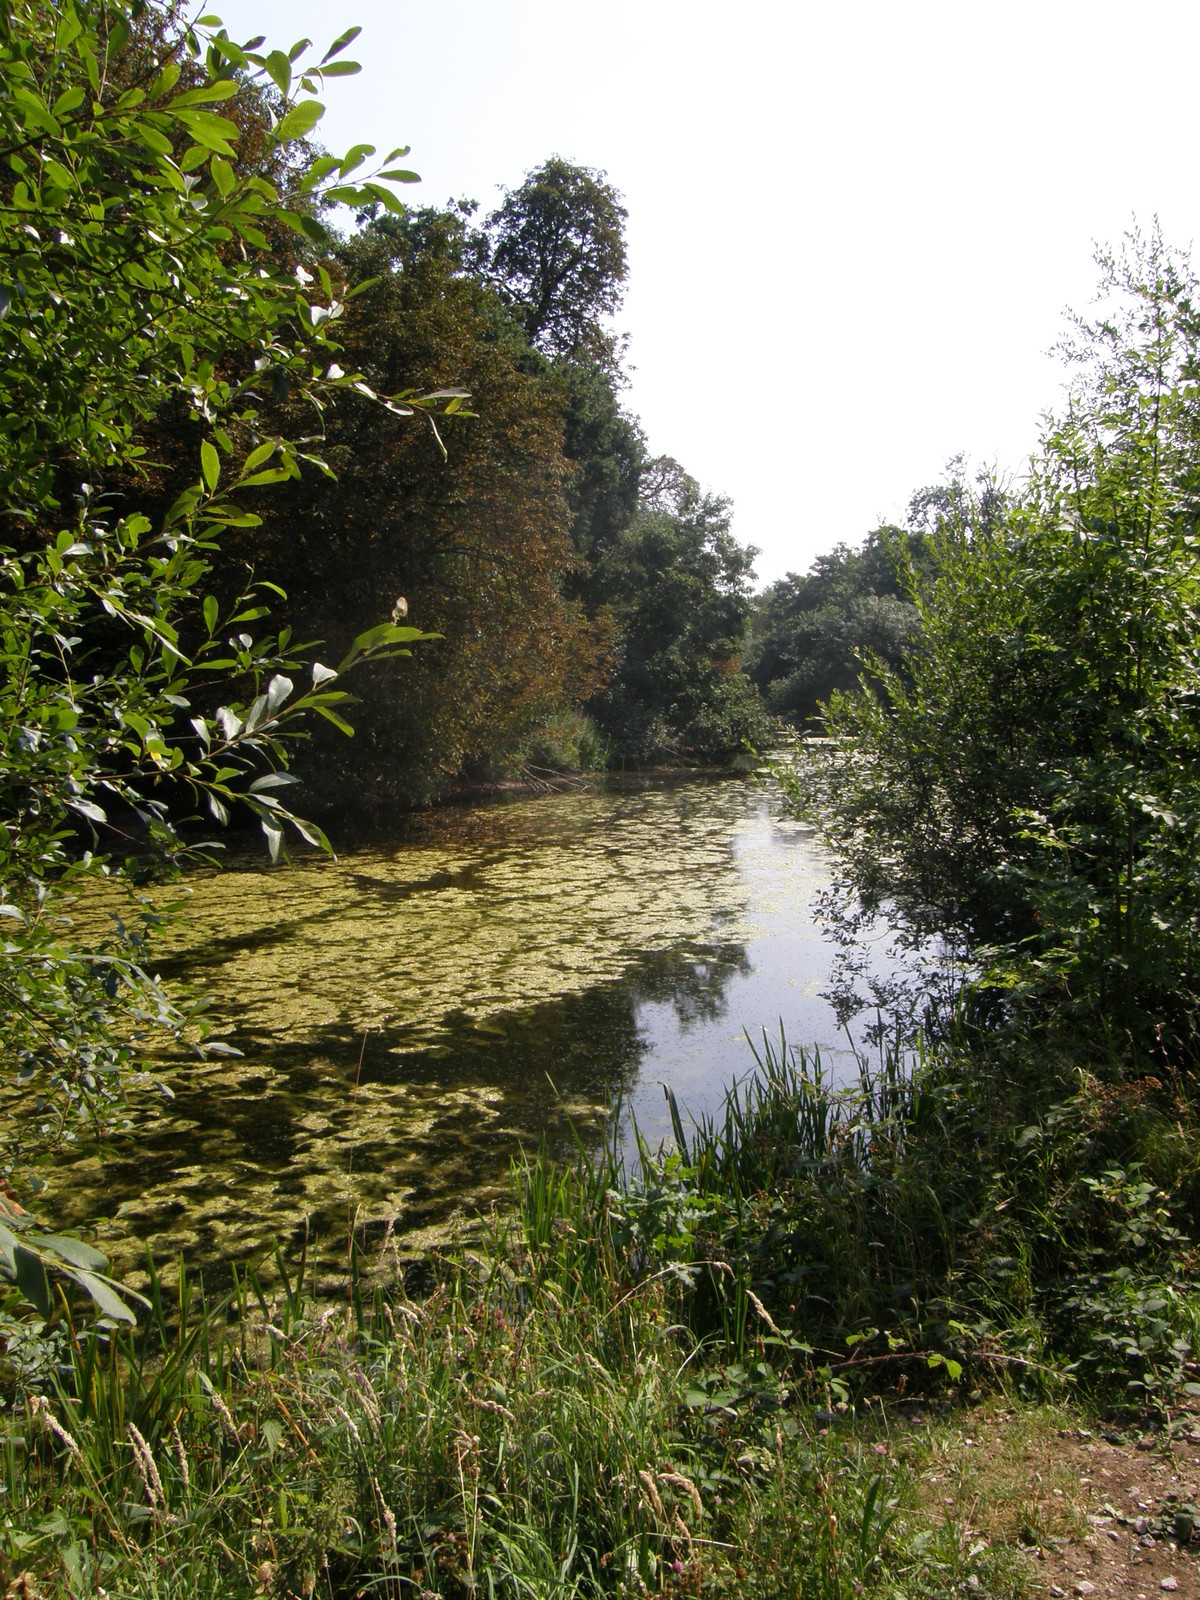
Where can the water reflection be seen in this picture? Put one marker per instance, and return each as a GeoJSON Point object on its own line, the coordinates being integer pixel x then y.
{"type": "Point", "coordinates": [411, 1016]}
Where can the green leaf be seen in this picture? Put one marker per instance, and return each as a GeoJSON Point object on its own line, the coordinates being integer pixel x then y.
{"type": "Point", "coordinates": [280, 70]}
{"type": "Point", "coordinates": [272, 780]}
{"type": "Point", "coordinates": [313, 835]}
{"type": "Point", "coordinates": [332, 716]}
{"type": "Point", "coordinates": [300, 120]}
{"type": "Point", "coordinates": [355, 157]}
{"type": "Point", "coordinates": [222, 176]}
{"type": "Point", "coordinates": [211, 612]}
{"type": "Point", "coordinates": [274, 833]}
{"type": "Point", "coordinates": [30, 1274]}
{"type": "Point", "coordinates": [340, 43]}
{"type": "Point", "coordinates": [341, 69]}
{"type": "Point", "coordinates": [387, 199]}
{"type": "Point", "coordinates": [74, 1250]}
{"type": "Point", "coordinates": [222, 89]}
{"type": "Point", "coordinates": [210, 464]}
{"type": "Point", "coordinates": [213, 132]}
{"type": "Point", "coordinates": [258, 455]}
{"type": "Point", "coordinates": [88, 808]}
{"type": "Point", "coordinates": [70, 100]}
{"type": "Point", "coordinates": [107, 1301]}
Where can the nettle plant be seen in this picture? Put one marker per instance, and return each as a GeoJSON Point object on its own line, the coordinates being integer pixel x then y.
{"type": "Point", "coordinates": [153, 286]}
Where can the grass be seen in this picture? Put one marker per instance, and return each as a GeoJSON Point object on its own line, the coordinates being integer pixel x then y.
{"type": "Point", "coordinates": [688, 1380]}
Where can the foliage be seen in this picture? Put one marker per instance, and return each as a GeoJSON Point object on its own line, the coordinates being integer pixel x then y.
{"type": "Point", "coordinates": [657, 1376]}
{"type": "Point", "coordinates": [557, 253]}
{"type": "Point", "coordinates": [1032, 783]}
{"type": "Point", "coordinates": [527, 548]}
{"type": "Point", "coordinates": [133, 235]}
{"type": "Point", "coordinates": [477, 542]}
{"type": "Point", "coordinates": [813, 635]}
{"type": "Point", "coordinates": [678, 583]}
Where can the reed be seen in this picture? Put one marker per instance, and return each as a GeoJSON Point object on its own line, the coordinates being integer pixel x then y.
{"type": "Point", "coordinates": [647, 1376]}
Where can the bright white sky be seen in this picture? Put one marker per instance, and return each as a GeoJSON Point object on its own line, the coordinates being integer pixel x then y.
{"type": "Point", "coordinates": [853, 229]}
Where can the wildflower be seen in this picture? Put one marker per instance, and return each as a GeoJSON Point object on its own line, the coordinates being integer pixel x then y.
{"type": "Point", "coordinates": [223, 1412]}
{"type": "Point", "coordinates": [147, 1469]}
{"type": "Point", "coordinates": [181, 1453]}
{"type": "Point", "coordinates": [40, 1408]}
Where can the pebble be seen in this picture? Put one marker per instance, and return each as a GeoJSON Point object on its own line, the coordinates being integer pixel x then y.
{"type": "Point", "coordinates": [1083, 1588]}
{"type": "Point", "coordinates": [1168, 1583]}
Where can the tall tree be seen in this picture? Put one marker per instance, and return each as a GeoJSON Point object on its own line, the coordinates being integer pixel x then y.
{"type": "Point", "coordinates": [557, 247]}
{"type": "Point", "coordinates": [679, 585]}
{"type": "Point", "coordinates": [477, 541]}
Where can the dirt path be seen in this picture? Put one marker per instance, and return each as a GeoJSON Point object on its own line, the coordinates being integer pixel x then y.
{"type": "Point", "coordinates": [1110, 1513]}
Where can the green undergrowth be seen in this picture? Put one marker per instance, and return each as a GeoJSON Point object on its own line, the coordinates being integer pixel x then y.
{"type": "Point", "coordinates": [691, 1379]}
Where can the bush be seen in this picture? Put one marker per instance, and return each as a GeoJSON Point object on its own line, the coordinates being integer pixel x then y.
{"type": "Point", "coordinates": [1028, 779]}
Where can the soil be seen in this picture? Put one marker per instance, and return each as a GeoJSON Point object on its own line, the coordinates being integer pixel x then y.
{"type": "Point", "coordinates": [1140, 1497]}
{"type": "Point", "coordinates": [1107, 1512]}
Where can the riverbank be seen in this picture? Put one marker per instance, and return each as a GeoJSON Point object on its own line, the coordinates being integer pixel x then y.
{"type": "Point", "coordinates": [815, 1349]}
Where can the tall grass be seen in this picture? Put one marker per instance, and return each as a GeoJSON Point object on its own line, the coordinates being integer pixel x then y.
{"type": "Point", "coordinates": [633, 1382]}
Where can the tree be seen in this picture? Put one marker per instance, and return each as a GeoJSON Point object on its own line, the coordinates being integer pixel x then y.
{"type": "Point", "coordinates": [679, 585]}
{"type": "Point", "coordinates": [134, 259]}
{"type": "Point", "coordinates": [1035, 784]}
{"type": "Point", "coordinates": [478, 542]}
{"type": "Point", "coordinates": [557, 248]}
{"type": "Point", "coordinates": [816, 634]}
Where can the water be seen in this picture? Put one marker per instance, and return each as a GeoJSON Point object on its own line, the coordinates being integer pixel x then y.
{"type": "Point", "coordinates": [502, 975]}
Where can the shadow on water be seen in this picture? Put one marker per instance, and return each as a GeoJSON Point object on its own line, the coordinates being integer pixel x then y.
{"type": "Point", "coordinates": [506, 974]}
{"type": "Point", "coordinates": [278, 1150]}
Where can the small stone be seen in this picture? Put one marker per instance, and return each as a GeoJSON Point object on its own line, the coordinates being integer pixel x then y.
{"type": "Point", "coordinates": [1168, 1583]}
{"type": "Point", "coordinates": [1058, 1593]}
{"type": "Point", "coordinates": [1083, 1587]}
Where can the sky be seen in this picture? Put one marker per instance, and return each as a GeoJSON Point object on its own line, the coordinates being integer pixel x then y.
{"type": "Point", "coordinates": [853, 229]}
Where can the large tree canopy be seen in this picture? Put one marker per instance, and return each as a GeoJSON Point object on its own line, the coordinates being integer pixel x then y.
{"type": "Point", "coordinates": [478, 541]}
{"type": "Point", "coordinates": [558, 252]}
{"type": "Point", "coordinates": [679, 584]}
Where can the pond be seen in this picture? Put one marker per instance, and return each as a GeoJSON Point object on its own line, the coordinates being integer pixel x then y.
{"type": "Point", "coordinates": [411, 1017]}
